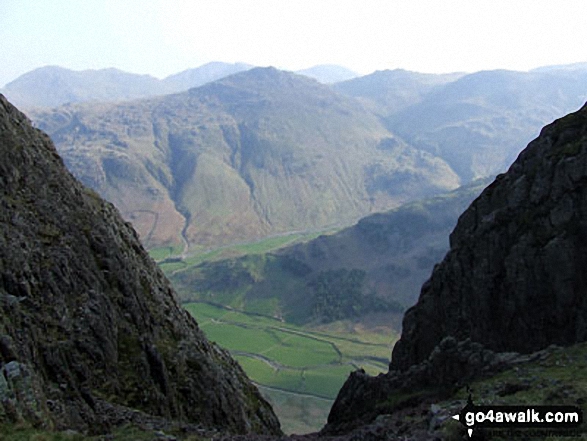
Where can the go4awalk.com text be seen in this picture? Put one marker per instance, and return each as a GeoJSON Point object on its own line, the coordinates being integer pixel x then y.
{"type": "Point", "coordinates": [566, 419]}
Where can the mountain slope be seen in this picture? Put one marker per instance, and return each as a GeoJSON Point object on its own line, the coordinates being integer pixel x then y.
{"type": "Point", "coordinates": [91, 334]}
{"type": "Point", "coordinates": [257, 153]}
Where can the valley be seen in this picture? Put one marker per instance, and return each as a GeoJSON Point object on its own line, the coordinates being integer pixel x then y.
{"type": "Point", "coordinates": [299, 221]}
{"type": "Point", "coordinates": [299, 369]}
{"type": "Point", "coordinates": [298, 363]}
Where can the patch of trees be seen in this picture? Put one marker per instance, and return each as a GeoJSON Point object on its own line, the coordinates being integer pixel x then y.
{"type": "Point", "coordinates": [294, 266]}
{"type": "Point", "coordinates": [340, 294]}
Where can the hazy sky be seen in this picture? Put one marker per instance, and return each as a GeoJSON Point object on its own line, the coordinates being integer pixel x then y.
{"type": "Point", "coordinates": [161, 37]}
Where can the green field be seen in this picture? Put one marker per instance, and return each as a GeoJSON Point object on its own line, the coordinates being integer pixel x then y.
{"type": "Point", "coordinates": [309, 364]}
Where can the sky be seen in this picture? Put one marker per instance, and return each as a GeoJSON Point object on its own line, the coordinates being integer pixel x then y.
{"type": "Point", "coordinates": [162, 37]}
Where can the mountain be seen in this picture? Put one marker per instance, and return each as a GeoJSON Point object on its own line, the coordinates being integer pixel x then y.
{"type": "Point", "coordinates": [251, 155]}
{"type": "Point", "coordinates": [258, 153]}
{"type": "Point", "coordinates": [475, 122]}
{"type": "Point", "coordinates": [478, 122]}
{"type": "Point", "coordinates": [91, 334]}
{"type": "Point", "coordinates": [328, 73]}
{"type": "Point", "coordinates": [52, 86]}
{"type": "Point", "coordinates": [511, 284]}
{"type": "Point", "coordinates": [201, 75]}
{"type": "Point", "coordinates": [391, 255]}
{"type": "Point", "coordinates": [389, 91]}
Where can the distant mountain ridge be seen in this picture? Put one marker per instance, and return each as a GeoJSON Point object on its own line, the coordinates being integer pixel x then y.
{"type": "Point", "coordinates": [201, 75]}
{"type": "Point", "coordinates": [476, 122]}
{"type": "Point", "coordinates": [328, 73]}
{"type": "Point", "coordinates": [52, 86]}
{"type": "Point", "coordinates": [393, 90]}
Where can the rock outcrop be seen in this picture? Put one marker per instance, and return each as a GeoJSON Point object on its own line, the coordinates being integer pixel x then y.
{"type": "Point", "coordinates": [513, 283]}
{"type": "Point", "coordinates": [514, 278]}
{"type": "Point", "coordinates": [90, 330]}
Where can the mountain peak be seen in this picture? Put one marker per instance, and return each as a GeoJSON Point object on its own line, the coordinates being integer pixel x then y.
{"type": "Point", "coordinates": [268, 73]}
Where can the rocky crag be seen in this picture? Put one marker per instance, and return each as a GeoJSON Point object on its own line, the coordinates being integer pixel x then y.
{"type": "Point", "coordinates": [90, 330]}
{"type": "Point", "coordinates": [514, 278]}
{"type": "Point", "coordinates": [512, 283]}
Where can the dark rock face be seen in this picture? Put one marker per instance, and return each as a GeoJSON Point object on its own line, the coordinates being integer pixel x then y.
{"type": "Point", "coordinates": [89, 327]}
{"type": "Point", "coordinates": [452, 364]}
{"type": "Point", "coordinates": [514, 278]}
{"type": "Point", "coordinates": [513, 282]}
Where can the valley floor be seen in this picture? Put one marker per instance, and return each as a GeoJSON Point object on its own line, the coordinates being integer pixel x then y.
{"type": "Point", "coordinates": [299, 369]}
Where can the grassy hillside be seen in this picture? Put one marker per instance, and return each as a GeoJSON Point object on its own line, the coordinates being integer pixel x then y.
{"type": "Point", "coordinates": [378, 265]}
{"type": "Point", "coordinates": [258, 153]}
